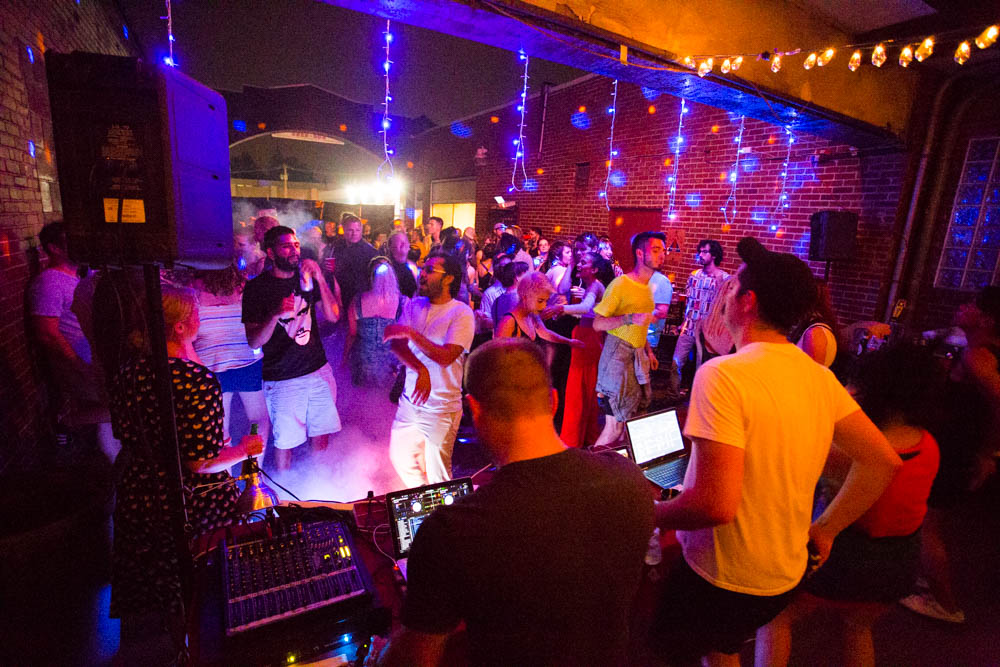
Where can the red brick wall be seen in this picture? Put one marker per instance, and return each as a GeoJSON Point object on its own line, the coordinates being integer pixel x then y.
{"type": "Point", "coordinates": [62, 25]}
{"type": "Point", "coordinates": [837, 179]}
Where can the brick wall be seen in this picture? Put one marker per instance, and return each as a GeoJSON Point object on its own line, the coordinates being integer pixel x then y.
{"type": "Point", "coordinates": [820, 176]}
{"type": "Point", "coordinates": [29, 194]}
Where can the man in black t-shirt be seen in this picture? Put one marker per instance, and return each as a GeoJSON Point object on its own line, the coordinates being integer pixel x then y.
{"type": "Point", "coordinates": [279, 313]}
{"type": "Point", "coordinates": [352, 259]}
{"type": "Point", "coordinates": [542, 564]}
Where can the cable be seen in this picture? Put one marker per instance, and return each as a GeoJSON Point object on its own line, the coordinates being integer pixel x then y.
{"type": "Point", "coordinates": [280, 486]}
{"type": "Point", "coordinates": [375, 530]}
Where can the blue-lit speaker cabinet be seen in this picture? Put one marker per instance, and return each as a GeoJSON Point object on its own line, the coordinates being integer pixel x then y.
{"type": "Point", "coordinates": [143, 159]}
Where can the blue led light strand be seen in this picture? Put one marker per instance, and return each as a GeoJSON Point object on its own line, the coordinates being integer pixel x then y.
{"type": "Point", "coordinates": [734, 176]}
{"type": "Point", "coordinates": [678, 142]}
{"type": "Point", "coordinates": [782, 202]}
{"type": "Point", "coordinates": [387, 152]}
{"type": "Point", "coordinates": [520, 151]}
{"type": "Point", "coordinates": [612, 153]}
{"type": "Point", "coordinates": [169, 18]}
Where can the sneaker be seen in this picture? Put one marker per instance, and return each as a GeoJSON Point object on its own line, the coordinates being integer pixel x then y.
{"type": "Point", "coordinates": [925, 605]}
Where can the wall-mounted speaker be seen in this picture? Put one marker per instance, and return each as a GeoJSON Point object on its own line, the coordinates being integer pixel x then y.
{"type": "Point", "coordinates": [143, 162]}
{"type": "Point", "coordinates": [834, 235]}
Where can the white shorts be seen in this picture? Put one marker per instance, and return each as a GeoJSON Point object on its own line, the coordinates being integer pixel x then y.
{"type": "Point", "coordinates": [302, 407]}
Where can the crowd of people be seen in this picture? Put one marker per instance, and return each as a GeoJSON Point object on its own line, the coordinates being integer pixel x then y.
{"type": "Point", "coordinates": [542, 563]}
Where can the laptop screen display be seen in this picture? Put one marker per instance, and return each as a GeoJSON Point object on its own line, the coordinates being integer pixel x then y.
{"type": "Point", "coordinates": [408, 509]}
{"type": "Point", "coordinates": [655, 435]}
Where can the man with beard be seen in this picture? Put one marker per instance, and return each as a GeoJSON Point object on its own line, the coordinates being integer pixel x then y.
{"type": "Point", "coordinates": [702, 287]}
{"type": "Point", "coordinates": [432, 336]}
{"type": "Point", "coordinates": [626, 312]}
{"type": "Point", "coordinates": [279, 313]}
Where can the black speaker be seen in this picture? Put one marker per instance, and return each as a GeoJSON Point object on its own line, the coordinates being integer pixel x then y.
{"type": "Point", "coordinates": [143, 160]}
{"type": "Point", "coordinates": [834, 235]}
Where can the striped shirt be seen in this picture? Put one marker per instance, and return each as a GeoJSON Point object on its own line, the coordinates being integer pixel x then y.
{"type": "Point", "coordinates": [222, 339]}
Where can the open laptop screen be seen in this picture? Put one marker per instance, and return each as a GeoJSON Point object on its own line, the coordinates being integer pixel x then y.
{"type": "Point", "coordinates": [409, 508]}
{"type": "Point", "coordinates": [654, 435]}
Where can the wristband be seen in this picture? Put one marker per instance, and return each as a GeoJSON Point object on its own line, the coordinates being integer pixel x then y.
{"type": "Point", "coordinates": [629, 320]}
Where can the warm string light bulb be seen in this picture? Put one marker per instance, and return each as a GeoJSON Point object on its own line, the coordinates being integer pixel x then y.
{"type": "Point", "coordinates": [737, 61]}
{"type": "Point", "coordinates": [906, 56]}
{"type": "Point", "coordinates": [988, 37]}
{"type": "Point", "coordinates": [963, 52]}
{"type": "Point", "coordinates": [688, 62]}
{"type": "Point", "coordinates": [726, 66]}
{"type": "Point", "coordinates": [776, 63]}
{"type": "Point", "coordinates": [825, 57]}
{"type": "Point", "coordinates": [879, 55]}
{"type": "Point", "coordinates": [810, 61]}
{"type": "Point", "coordinates": [705, 67]}
{"type": "Point", "coordinates": [925, 49]}
{"type": "Point", "coordinates": [855, 62]}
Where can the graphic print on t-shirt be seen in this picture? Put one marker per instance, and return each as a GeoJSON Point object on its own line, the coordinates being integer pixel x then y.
{"type": "Point", "coordinates": [298, 323]}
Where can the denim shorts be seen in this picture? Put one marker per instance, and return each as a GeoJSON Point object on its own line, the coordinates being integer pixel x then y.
{"type": "Point", "coordinates": [247, 378]}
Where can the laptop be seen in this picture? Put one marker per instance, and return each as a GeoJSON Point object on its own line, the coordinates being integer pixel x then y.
{"type": "Point", "coordinates": [657, 447]}
{"type": "Point", "coordinates": [408, 509]}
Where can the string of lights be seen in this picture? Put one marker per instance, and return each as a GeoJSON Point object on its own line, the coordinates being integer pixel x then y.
{"type": "Point", "coordinates": [520, 150]}
{"type": "Point", "coordinates": [678, 142]}
{"type": "Point", "coordinates": [910, 49]}
{"type": "Point", "coordinates": [734, 176]}
{"type": "Point", "coordinates": [386, 166]}
{"type": "Point", "coordinates": [782, 202]}
{"type": "Point", "coordinates": [612, 152]}
{"type": "Point", "coordinates": [169, 18]}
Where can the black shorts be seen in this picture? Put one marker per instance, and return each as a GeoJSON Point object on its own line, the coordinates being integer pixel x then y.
{"type": "Point", "coordinates": [696, 618]}
{"type": "Point", "coordinates": [867, 569]}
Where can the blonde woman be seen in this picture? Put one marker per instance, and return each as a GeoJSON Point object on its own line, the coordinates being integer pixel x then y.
{"type": "Point", "coordinates": [524, 321]}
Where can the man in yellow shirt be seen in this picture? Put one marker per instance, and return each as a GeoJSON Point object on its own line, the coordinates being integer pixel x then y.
{"type": "Point", "coordinates": [626, 312]}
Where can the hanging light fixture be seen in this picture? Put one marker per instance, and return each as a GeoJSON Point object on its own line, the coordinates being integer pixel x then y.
{"type": "Point", "coordinates": [878, 55]}
{"type": "Point", "coordinates": [825, 57]}
{"type": "Point", "coordinates": [776, 63]}
{"type": "Point", "coordinates": [855, 62]}
{"type": "Point", "coordinates": [705, 67]}
{"type": "Point", "coordinates": [925, 49]}
{"type": "Point", "coordinates": [963, 52]}
{"type": "Point", "coordinates": [727, 65]}
{"type": "Point", "coordinates": [988, 37]}
{"type": "Point", "coordinates": [906, 56]}
{"type": "Point", "coordinates": [737, 61]}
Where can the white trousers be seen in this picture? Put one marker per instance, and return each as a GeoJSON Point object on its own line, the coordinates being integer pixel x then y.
{"type": "Point", "coordinates": [421, 443]}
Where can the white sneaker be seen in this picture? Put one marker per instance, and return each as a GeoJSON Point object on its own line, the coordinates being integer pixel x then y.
{"type": "Point", "coordinates": [925, 605]}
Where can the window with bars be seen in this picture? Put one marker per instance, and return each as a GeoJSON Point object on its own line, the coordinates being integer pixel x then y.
{"type": "Point", "coordinates": [972, 246]}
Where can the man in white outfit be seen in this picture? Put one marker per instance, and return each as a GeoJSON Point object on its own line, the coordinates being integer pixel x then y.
{"type": "Point", "coordinates": [432, 337]}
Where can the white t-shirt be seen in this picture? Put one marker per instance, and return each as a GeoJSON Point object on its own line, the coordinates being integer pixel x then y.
{"type": "Point", "coordinates": [779, 406]}
{"type": "Point", "coordinates": [449, 323]}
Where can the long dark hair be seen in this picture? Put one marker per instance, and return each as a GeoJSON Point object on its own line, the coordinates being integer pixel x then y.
{"type": "Point", "coordinates": [555, 250]}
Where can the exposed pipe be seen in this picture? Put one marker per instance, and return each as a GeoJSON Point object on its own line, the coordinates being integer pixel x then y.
{"type": "Point", "coordinates": [911, 214]}
{"type": "Point", "coordinates": [545, 106]}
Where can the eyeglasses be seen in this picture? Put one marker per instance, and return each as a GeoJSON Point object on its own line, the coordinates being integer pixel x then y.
{"type": "Point", "coordinates": [427, 268]}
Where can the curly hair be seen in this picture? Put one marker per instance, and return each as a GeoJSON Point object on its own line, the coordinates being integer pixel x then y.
{"type": "Point", "coordinates": [222, 282]}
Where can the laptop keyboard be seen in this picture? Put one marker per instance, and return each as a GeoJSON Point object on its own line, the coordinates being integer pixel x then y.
{"type": "Point", "coordinates": [667, 476]}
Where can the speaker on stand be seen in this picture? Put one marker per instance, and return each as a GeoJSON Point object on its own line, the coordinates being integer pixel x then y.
{"type": "Point", "coordinates": [833, 237]}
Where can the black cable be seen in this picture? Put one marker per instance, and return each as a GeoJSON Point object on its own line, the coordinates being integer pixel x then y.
{"type": "Point", "coordinates": [279, 485]}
